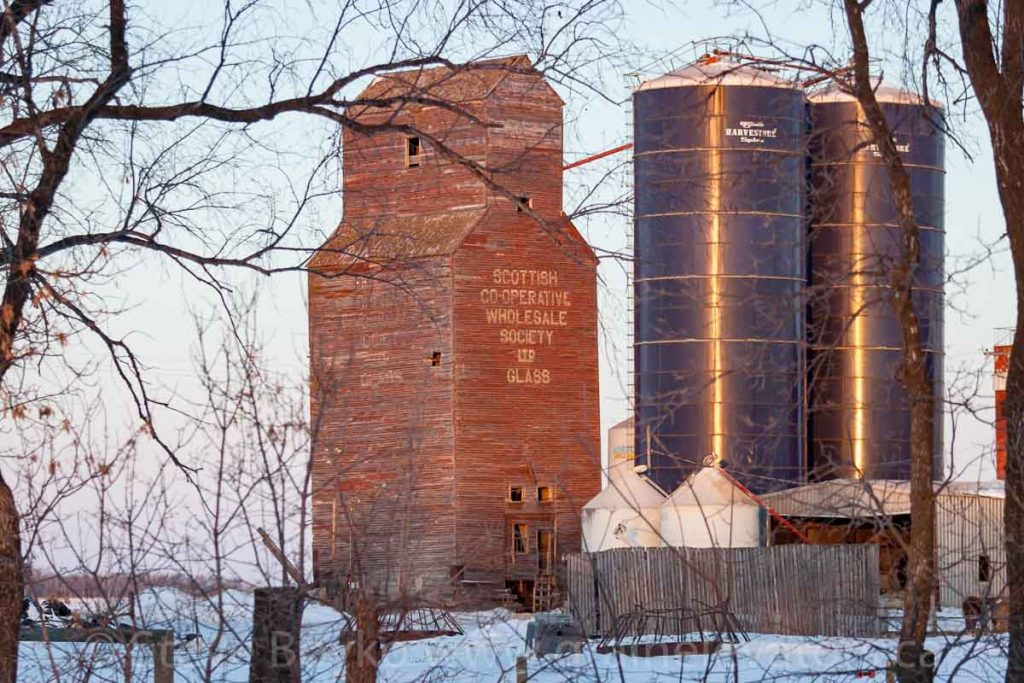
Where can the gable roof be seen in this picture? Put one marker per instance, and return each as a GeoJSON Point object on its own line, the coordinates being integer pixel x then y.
{"type": "Point", "coordinates": [465, 83]}
{"type": "Point", "coordinates": [396, 238]}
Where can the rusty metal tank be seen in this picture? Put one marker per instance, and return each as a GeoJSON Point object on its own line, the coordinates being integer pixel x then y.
{"type": "Point", "coordinates": [859, 423]}
{"type": "Point", "coordinates": [719, 271]}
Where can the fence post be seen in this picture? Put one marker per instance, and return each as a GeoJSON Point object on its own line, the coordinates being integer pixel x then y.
{"type": "Point", "coordinates": [163, 659]}
{"type": "Point", "coordinates": [276, 630]}
{"type": "Point", "coordinates": [522, 672]}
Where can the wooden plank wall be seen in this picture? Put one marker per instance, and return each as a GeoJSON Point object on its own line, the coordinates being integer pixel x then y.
{"type": "Point", "coordinates": [383, 468]}
{"type": "Point", "coordinates": [791, 589]}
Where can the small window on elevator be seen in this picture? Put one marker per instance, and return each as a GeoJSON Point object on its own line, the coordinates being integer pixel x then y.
{"type": "Point", "coordinates": [435, 359]}
{"type": "Point", "coordinates": [519, 532]}
{"type": "Point", "coordinates": [515, 494]}
{"type": "Point", "coordinates": [545, 494]}
{"type": "Point", "coordinates": [413, 151]}
{"type": "Point", "coordinates": [523, 202]}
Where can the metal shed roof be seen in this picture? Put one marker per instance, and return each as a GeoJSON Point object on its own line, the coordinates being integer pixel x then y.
{"type": "Point", "coordinates": [861, 498]}
{"type": "Point", "coordinates": [843, 498]}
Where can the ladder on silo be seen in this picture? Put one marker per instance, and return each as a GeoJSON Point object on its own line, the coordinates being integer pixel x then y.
{"type": "Point", "coordinates": [630, 81]}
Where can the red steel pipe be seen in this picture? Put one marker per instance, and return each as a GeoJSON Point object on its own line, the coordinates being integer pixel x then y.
{"type": "Point", "coordinates": [602, 155]}
{"type": "Point", "coordinates": [757, 499]}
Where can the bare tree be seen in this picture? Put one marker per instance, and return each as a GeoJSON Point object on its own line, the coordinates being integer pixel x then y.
{"type": "Point", "coordinates": [918, 601]}
{"type": "Point", "coordinates": [992, 40]}
{"type": "Point", "coordinates": [102, 100]}
{"type": "Point", "coordinates": [991, 46]}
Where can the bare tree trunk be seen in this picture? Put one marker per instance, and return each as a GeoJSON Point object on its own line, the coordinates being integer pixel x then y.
{"type": "Point", "coordinates": [996, 70]}
{"type": "Point", "coordinates": [1014, 511]}
{"type": "Point", "coordinates": [363, 653]}
{"type": "Point", "coordinates": [911, 665]}
{"type": "Point", "coordinates": [21, 271]}
{"type": "Point", "coordinates": [10, 585]}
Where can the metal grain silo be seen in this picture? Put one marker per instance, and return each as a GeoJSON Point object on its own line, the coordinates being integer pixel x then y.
{"type": "Point", "coordinates": [719, 270]}
{"type": "Point", "coordinates": [859, 422]}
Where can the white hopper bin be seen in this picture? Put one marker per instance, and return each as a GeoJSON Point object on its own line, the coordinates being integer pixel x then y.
{"type": "Point", "coordinates": [709, 511]}
{"type": "Point", "coordinates": [625, 514]}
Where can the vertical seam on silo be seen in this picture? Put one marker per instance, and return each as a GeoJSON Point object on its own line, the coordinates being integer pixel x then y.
{"type": "Point", "coordinates": [717, 109]}
{"type": "Point", "coordinates": [857, 323]}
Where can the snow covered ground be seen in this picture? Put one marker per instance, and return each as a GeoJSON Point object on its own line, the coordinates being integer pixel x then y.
{"type": "Point", "coordinates": [487, 652]}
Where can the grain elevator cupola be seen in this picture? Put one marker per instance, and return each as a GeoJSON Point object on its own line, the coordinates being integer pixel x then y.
{"type": "Point", "coordinates": [453, 341]}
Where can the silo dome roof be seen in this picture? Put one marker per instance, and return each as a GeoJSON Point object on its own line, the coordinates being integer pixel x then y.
{"type": "Point", "coordinates": [719, 72]}
{"type": "Point", "coordinates": [884, 93]}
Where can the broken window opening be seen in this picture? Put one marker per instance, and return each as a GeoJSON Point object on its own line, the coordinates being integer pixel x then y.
{"type": "Point", "coordinates": [519, 532]}
{"type": "Point", "coordinates": [413, 152]}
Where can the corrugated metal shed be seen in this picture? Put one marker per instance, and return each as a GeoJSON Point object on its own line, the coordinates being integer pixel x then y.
{"type": "Point", "coordinates": [968, 525]}
{"type": "Point", "coordinates": [969, 544]}
{"type": "Point", "coordinates": [843, 498]}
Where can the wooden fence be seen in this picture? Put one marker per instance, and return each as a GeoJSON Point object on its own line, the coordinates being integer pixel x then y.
{"type": "Point", "coordinates": [828, 590]}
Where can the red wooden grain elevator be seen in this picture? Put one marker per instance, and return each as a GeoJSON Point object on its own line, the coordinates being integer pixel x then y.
{"type": "Point", "coordinates": [1001, 366]}
{"type": "Point", "coordinates": [453, 341]}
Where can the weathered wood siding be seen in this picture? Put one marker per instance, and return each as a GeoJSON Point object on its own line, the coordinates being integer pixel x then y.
{"type": "Point", "coordinates": [527, 403]}
{"type": "Point", "coordinates": [525, 152]}
{"type": "Point", "coordinates": [413, 463]}
{"type": "Point", "coordinates": [791, 589]}
{"type": "Point", "coordinates": [383, 458]}
{"type": "Point", "coordinates": [378, 182]}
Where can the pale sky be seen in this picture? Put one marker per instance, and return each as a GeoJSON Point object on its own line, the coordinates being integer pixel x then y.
{"type": "Point", "coordinates": [161, 299]}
